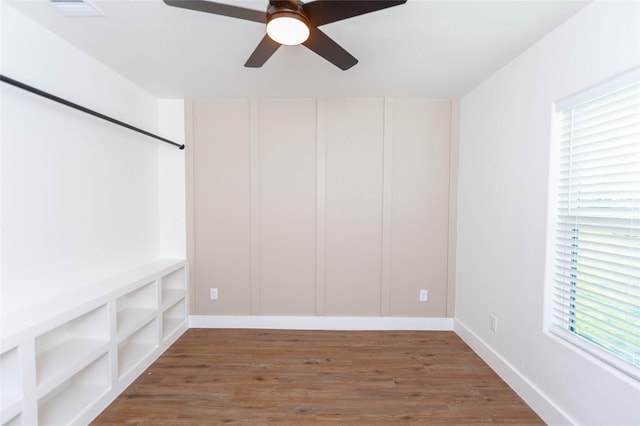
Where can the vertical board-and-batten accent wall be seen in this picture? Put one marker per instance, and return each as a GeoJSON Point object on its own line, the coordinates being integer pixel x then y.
{"type": "Point", "coordinates": [313, 207]}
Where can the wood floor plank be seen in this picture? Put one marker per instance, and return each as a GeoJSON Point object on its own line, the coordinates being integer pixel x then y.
{"type": "Point", "coordinates": [286, 377]}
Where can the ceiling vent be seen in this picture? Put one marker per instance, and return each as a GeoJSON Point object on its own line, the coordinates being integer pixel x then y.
{"type": "Point", "coordinates": [76, 8]}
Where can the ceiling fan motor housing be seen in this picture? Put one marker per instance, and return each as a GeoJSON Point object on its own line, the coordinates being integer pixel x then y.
{"type": "Point", "coordinates": [287, 23]}
{"type": "Point", "coordinates": [287, 9]}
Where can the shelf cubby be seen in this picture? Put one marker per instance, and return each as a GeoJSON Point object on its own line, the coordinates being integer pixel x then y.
{"type": "Point", "coordinates": [70, 346]}
{"type": "Point", "coordinates": [133, 350]}
{"type": "Point", "coordinates": [11, 389]}
{"type": "Point", "coordinates": [135, 308]}
{"type": "Point", "coordinates": [73, 397]}
{"type": "Point", "coordinates": [173, 287]}
{"type": "Point", "coordinates": [173, 318]}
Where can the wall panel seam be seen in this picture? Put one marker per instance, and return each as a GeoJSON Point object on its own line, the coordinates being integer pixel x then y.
{"type": "Point", "coordinates": [254, 117]}
{"type": "Point", "coordinates": [320, 205]}
{"type": "Point", "coordinates": [387, 182]}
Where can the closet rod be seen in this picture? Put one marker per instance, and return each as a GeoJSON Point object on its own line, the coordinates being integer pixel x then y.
{"type": "Point", "coordinates": [83, 109]}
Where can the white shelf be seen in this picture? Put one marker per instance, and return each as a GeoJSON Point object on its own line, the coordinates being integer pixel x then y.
{"type": "Point", "coordinates": [75, 396]}
{"type": "Point", "coordinates": [130, 319]}
{"type": "Point", "coordinates": [175, 279]}
{"type": "Point", "coordinates": [68, 349]}
{"type": "Point", "coordinates": [16, 324]}
{"type": "Point", "coordinates": [170, 296]}
{"type": "Point", "coordinates": [65, 359]}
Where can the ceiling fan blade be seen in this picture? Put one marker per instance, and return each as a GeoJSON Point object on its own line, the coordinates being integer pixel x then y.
{"type": "Point", "coordinates": [322, 12]}
{"type": "Point", "coordinates": [220, 9]}
{"type": "Point", "coordinates": [324, 46]}
{"type": "Point", "coordinates": [263, 52]}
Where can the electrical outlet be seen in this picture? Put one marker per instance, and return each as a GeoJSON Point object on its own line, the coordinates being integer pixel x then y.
{"type": "Point", "coordinates": [493, 323]}
{"type": "Point", "coordinates": [424, 295]}
{"type": "Point", "coordinates": [213, 294]}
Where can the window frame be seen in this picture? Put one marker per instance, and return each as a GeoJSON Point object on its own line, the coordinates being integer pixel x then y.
{"type": "Point", "coordinates": [571, 339]}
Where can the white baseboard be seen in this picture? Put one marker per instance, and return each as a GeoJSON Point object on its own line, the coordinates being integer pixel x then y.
{"type": "Point", "coordinates": [321, 323]}
{"type": "Point", "coordinates": [536, 399]}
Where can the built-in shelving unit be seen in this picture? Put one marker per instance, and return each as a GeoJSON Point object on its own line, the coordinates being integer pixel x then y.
{"type": "Point", "coordinates": [64, 363]}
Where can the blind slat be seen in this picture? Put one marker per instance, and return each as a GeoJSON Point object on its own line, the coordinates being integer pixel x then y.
{"type": "Point", "coordinates": [605, 304]}
{"type": "Point", "coordinates": [619, 247]}
{"type": "Point", "coordinates": [617, 123]}
{"type": "Point", "coordinates": [599, 155]}
{"type": "Point", "coordinates": [600, 225]}
{"type": "Point", "coordinates": [613, 289]}
{"type": "Point", "coordinates": [598, 144]}
{"type": "Point", "coordinates": [606, 270]}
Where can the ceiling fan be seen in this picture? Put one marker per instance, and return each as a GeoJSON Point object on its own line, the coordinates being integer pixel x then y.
{"type": "Point", "coordinates": [293, 22]}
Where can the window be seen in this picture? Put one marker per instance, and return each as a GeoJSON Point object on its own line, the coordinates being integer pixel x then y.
{"type": "Point", "coordinates": [596, 256]}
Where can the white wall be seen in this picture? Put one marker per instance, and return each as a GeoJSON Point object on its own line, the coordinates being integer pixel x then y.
{"type": "Point", "coordinates": [502, 210]}
{"type": "Point", "coordinates": [80, 196]}
{"type": "Point", "coordinates": [171, 180]}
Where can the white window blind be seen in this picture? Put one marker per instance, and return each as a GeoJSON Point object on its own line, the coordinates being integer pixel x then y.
{"type": "Point", "coordinates": [596, 295]}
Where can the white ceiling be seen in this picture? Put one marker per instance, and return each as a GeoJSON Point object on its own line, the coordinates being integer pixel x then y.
{"type": "Point", "coordinates": [432, 49]}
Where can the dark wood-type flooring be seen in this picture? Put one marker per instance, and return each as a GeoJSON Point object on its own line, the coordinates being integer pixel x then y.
{"type": "Point", "coordinates": [278, 377]}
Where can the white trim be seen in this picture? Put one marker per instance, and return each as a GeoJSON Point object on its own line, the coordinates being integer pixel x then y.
{"type": "Point", "coordinates": [321, 323]}
{"type": "Point", "coordinates": [585, 349]}
{"type": "Point", "coordinates": [567, 165]}
{"type": "Point", "coordinates": [626, 78]}
{"type": "Point", "coordinates": [387, 198]}
{"type": "Point", "coordinates": [254, 152]}
{"type": "Point", "coordinates": [321, 191]}
{"type": "Point", "coordinates": [530, 393]}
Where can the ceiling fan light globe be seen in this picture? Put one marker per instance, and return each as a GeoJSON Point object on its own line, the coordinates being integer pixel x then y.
{"type": "Point", "coordinates": [288, 29]}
